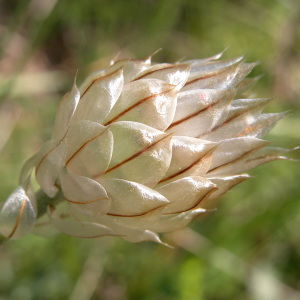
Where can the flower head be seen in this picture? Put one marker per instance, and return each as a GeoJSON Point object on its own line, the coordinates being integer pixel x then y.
{"type": "Point", "coordinates": [138, 149]}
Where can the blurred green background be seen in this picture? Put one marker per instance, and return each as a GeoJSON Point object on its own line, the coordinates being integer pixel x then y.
{"type": "Point", "coordinates": [250, 248]}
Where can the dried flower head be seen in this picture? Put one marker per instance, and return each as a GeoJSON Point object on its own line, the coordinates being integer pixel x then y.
{"type": "Point", "coordinates": [138, 149]}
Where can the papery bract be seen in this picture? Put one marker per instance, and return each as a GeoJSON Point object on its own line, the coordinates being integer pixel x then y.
{"type": "Point", "coordinates": [138, 149]}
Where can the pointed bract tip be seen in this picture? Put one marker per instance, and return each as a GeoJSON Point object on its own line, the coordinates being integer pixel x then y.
{"type": "Point", "coordinates": [149, 58]}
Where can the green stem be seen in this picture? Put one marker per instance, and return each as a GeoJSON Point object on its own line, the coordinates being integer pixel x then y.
{"type": "Point", "coordinates": [43, 201]}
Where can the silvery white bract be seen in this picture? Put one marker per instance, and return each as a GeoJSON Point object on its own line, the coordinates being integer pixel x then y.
{"type": "Point", "coordinates": [139, 148]}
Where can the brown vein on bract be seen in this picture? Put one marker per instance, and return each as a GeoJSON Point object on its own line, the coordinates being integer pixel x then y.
{"type": "Point", "coordinates": [205, 77]}
{"type": "Point", "coordinates": [157, 70]}
{"type": "Point", "coordinates": [208, 152]}
{"type": "Point", "coordinates": [83, 237]}
{"type": "Point", "coordinates": [86, 202]}
{"type": "Point", "coordinates": [135, 155]}
{"type": "Point", "coordinates": [54, 147]}
{"type": "Point", "coordinates": [100, 78]}
{"type": "Point", "coordinates": [18, 218]}
{"type": "Point", "coordinates": [136, 215]}
{"type": "Point", "coordinates": [135, 105]}
{"type": "Point", "coordinates": [204, 197]}
{"type": "Point", "coordinates": [237, 159]}
{"type": "Point", "coordinates": [45, 156]}
{"type": "Point", "coordinates": [194, 114]}
{"type": "Point", "coordinates": [226, 122]}
{"type": "Point", "coordinates": [83, 145]}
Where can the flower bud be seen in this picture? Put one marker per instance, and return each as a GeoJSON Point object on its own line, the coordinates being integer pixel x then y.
{"type": "Point", "coordinates": [17, 215]}
{"type": "Point", "coordinates": [138, 149]}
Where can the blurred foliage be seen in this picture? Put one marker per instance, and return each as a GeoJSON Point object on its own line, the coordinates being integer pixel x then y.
{"type": "Point", "coordinates": [250, 248]}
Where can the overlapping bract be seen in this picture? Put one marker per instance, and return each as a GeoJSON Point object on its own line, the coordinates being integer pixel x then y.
{"type": "Point", "coordinates": [139, 148]}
